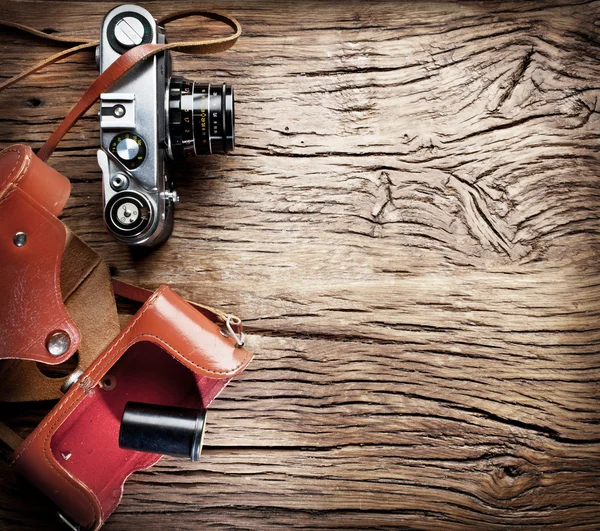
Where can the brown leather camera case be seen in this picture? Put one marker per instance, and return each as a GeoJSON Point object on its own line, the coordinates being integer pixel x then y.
{"type": "Point", "coordinates": [171, 353]}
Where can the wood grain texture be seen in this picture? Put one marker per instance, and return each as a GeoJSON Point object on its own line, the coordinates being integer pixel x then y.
{"type": "Point", "coordinates": [410, 228]}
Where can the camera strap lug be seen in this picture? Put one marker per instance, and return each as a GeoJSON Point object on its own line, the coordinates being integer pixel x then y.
{"type": "Point", "coordinates": [240, 340]}
{"type": "Point", "coordinates": [67, 522]}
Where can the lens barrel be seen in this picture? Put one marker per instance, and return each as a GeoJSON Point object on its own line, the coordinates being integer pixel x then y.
{"type": "Point", "coordinates": [201, 118]}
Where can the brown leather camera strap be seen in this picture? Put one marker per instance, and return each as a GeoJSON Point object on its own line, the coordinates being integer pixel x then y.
{"type": "Point", "coordinates": [79, 45]}
{"type": "Point", "coordinates": [121, 66]}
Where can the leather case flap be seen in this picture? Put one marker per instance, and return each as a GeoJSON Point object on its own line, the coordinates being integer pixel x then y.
{"type": "Point", "coordinates": [73, 456]}
{"type": "Point", "coordinates": [32, 307]}
{"type": "Point", "coordinates": [87, 294]}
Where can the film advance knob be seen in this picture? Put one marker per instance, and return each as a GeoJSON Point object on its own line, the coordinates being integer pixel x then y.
{"type": "Point", "coordinates": [129, 31]}
{"type": "Point", "coordinates": [128, 214]}
{"type": "Point", "coordinates": [127, 149]}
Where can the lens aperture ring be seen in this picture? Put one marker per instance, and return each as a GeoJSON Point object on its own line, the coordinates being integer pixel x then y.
{"type": "Point", "coordinates": [181, 128]}
{"type": "Point", "coordinates": [201, 118]}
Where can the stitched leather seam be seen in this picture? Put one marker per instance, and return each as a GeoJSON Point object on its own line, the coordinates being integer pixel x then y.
{"type": "Point", "coordinates": [230, 371]}
{"type": "Point", "coordinates": [68, 477]}
{"type": "Point", "coordinates": [20, 153]}
{"type": "Point", "coordinates": [24, 170]}
{"type": "Point", "coordinates": [129, 291]}
{"type": "Point", "coordinates": [135, 339]}
{"type": "Point", "coordinates": [10, 189]}
{"type": "Point", "coordinates": [60, 472]}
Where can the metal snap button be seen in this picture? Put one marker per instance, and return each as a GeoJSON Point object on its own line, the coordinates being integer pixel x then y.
{"type": "Point", "coordinates": [58, 343]}
{"type": "Point", "coordinates": [20, 239]}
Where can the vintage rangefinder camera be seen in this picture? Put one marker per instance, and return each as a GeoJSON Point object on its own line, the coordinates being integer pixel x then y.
{"type": "Point", "coordinates": [147, 118]}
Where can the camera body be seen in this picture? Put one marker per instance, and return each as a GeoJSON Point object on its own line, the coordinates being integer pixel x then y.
{"type": "Point", "coordinates": [147, 118]}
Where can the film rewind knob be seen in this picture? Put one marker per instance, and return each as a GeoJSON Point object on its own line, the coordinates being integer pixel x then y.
{"type": "Point", "coordinates": [128, 29]}
{"type": "Point", "coordinates": [129, 32]}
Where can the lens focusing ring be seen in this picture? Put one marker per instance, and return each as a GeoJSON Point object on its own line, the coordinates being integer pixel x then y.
{"type": "Point", "coordinates": [201, 118]}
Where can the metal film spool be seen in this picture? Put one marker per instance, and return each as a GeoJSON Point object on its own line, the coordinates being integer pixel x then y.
{"type": "Point", "coordinates": [162, 430]}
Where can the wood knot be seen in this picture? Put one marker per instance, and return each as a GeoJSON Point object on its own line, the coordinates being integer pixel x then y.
{"type": "Point", "coordinates": [510, 477]}
{"type": "Point", "coordinates": [511, 471]}
{"type": "Point", "coordinates": [34, 102]}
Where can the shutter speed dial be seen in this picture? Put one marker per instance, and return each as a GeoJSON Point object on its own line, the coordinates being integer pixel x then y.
{"type": "Point", "coordinates": [129, 148]}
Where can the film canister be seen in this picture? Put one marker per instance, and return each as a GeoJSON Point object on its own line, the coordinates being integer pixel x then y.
{"type": "Point", "coordinates": [162, 430]}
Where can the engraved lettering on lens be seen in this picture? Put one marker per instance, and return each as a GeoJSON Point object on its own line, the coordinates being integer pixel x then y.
{"type": "Point", "coordinates": [212, 118]}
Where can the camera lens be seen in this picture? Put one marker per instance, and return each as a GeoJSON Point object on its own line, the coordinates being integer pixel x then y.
{"type": "Point", "coordinates": [200, 117]}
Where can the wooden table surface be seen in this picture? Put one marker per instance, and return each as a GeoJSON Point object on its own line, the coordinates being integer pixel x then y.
{"type": "Point", "coordinates": [410, 227]}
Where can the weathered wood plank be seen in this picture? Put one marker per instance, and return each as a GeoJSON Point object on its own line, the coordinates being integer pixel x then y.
{"type": "Point", "coordinates": [409, 226]}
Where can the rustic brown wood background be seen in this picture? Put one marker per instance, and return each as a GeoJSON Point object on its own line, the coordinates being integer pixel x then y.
{"type": "Point", "coordinates": [410, 226]}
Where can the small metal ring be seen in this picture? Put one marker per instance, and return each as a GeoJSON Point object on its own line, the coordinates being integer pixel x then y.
{"type": "Point", "coordinates": [71, 379]}
{"type": "Point", "coordinates": [64, 520]}
{"type": "Point", "coordinates": [235, 321]}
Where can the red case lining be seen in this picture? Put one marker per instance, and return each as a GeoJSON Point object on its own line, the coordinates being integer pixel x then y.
{"type": "Point", "coordinates": [86, 444]}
